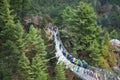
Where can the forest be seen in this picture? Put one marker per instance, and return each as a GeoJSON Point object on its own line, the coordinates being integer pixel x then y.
{"type": "Point", "coordinates": [32, 30]}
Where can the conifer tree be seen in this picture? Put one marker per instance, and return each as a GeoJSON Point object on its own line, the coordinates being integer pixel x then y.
{"type": "Point", "coordinates": [35, 51]}
{"type": "Point", "coordinates": [110, 55]}
{"type": "Point", "coordinates": [107, 55]}
{"type": "Point", "coordinates": [82, 30]}
{"type": "Point", "coordinates": [103, 63]}
{"type": "Point", "coordinates": [39, 68]}
{"type": "Point", "coordinates": [11, 41]}
{"type": "Point", "coordinates": [21, 7]}
{"type": "Point", "coordinates": [94, 53]}
{"type": "Point", "coordinates": [5, 73]}
{"type": "Point", "coordinates": [24, 69]}
{"type": "Point", "coordinates": [60, 72]}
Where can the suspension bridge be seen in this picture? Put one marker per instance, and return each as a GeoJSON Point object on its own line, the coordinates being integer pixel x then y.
{"type": "Point", "coordinates": [80, 68]}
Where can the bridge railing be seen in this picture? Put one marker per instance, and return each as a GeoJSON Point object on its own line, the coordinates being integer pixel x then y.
{"type": "Point", "coordinates": [89, 73]}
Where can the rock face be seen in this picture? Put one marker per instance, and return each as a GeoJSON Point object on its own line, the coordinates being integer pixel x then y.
{"type": "Point", "coordinates": [115, 42]}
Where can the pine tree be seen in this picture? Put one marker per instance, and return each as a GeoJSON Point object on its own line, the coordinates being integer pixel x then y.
{"type": "Point", "coordinates": [94, 53]}
{"type": "Point", "coordinates": [11, 41]}
{"type": "Point", "coordinates": [60, 72]}
{"type": "Point", "coordinates": [5, 73]}
{"type": "Point", "coordinates": [35, 51]}
{"type": "Point", "coordinates": [108, 56]}
{"type": "Point", "coordinates": [20, 7]}
{"type": "Point", "coordinates": [82, 30]}
{"type": "Point", "coordinates": [26, 7]}
{"type": "Point", "coordinates": [39, 68]}
{"type": "Point", "coordinates": [103, 63]}
{"type": "Point", "coordinates": [24, 69]}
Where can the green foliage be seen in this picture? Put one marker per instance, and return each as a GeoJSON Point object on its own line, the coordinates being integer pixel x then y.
{"type": "Point", "coordinates": [104, 64]}
{"type": "Point", "coordinates": [94, 53]}
{"type": "Point", "coordinates": [115, 18]}
{"type": "Point", "coordinates": [106, 39]}
{"type": "Point", "coordinates": [23, 56]}
{"type": "Point", "coordinates": [114, 34]}
{"type": "Point", "coordinates": [13, 47]}
{"type": "Point", "coordinates": [105, 21]}
{"type": "Point", "coordinates": [21, 7]}
{"type": "Point", "coordinates": [10, 36]}
{"type": "Point", "coordinates": [24, 70]}
{"type": "Point", "coordinates": [82, 30]}
{"type": "Point", "coordinates": [35, 51]}
{"type": "Point", "coordinates": [6, 23]}
{"type": "Point", "coordinates": [108, 56]}
{"type": "Point", "coordinates": [26, 7]}
{"type": "Point", "coordinates": [60, 72]}
{"type": "Point", "coordinates": [39, 68]}
{"type": "Point", "coordinates": [5, 73]}
{"type": "Point", "coordinates": [55, 6]}
{"type": "Point", "coordinates": [117, 2]}
{"type": "Point", "coordinates": [16, 7]}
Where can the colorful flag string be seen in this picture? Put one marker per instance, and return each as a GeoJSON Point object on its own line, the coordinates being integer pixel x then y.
{"type": "Point", "coordinates": [77, 66]}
